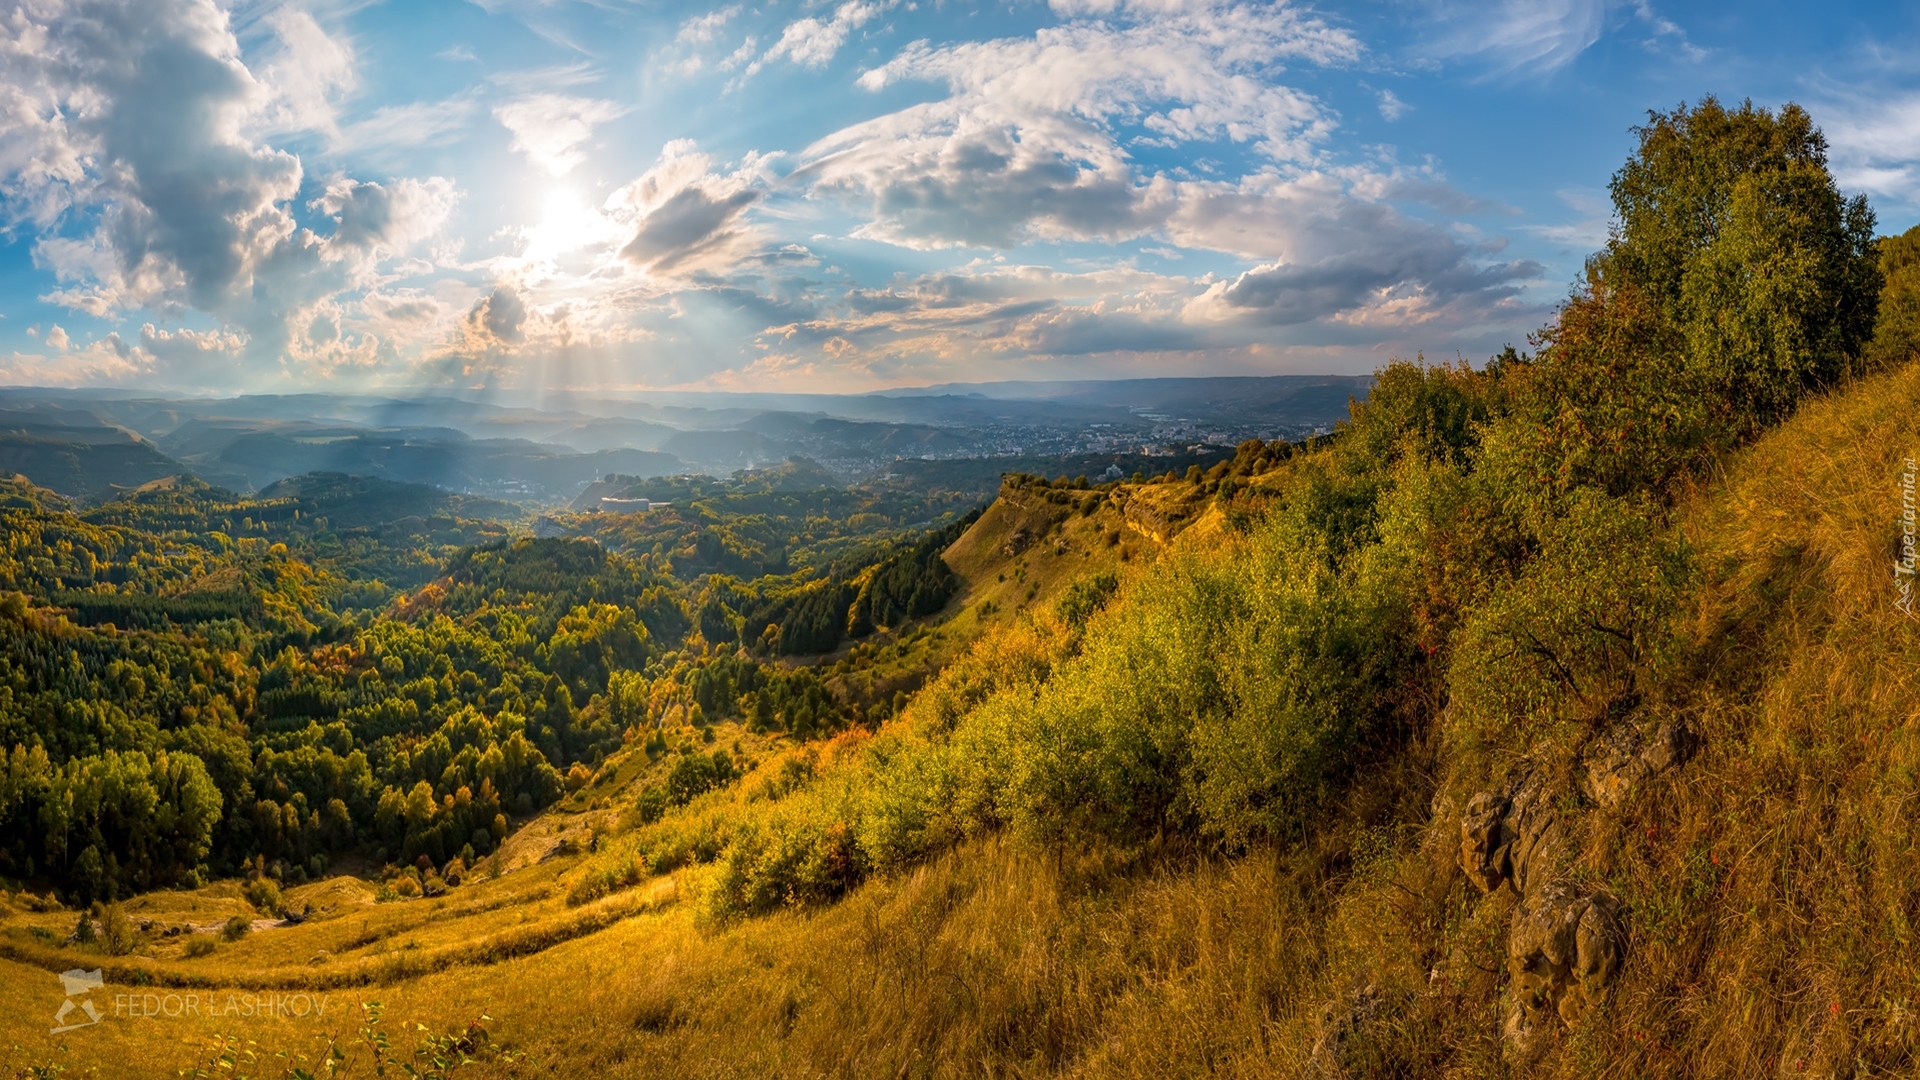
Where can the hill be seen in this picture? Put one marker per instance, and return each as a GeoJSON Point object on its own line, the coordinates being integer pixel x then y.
{"type": "Point", "coordinates": [74, 454]}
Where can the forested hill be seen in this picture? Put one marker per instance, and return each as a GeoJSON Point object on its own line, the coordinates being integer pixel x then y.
{"type": "Point", "coordinates": [192, 682]}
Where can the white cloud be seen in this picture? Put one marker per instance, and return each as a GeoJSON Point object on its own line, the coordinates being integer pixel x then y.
{"type": "Point", "coordinates": [1588, 231]}
{"type": "Point", "coordinates": [812, 43]}
{"type": "Point", "coordinates": [377, 220]}
{"type": "Point", "coordinates": [1876, 143]}
{"type": "Point", "coordinates": [306, 72]}
{"type": "Point", "coordinates": [702, 29]}
{"type": "Point", "coordinates": [1028, 146]}
{"type": "Point", "coordinates": [686, 215]}
{"type": "Point", "coordinates": [1391, 107]}
{"type": "Point", "coordinates": [551, 128]}
{"type": "Point", "coordinates": [133, 152]}
{"type": "Point", "coordinates": [1531, 37]}
{"type": "Point", "coordinates": [1667, 34]}
{"type": "Point", "coordinates": [1027, 142]}
{"type": "Point", "coordinates": [57, 339]}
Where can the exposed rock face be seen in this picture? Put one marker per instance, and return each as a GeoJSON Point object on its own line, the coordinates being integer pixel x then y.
{"type": "Point", "coordinates": [1511, 835]}
{"type": "Point", "coordinates": [1566, 942]}
{"type": "Point", "coordinates": [1626, 756]}
{"type": "Point", "coordinates": [1563, 950]}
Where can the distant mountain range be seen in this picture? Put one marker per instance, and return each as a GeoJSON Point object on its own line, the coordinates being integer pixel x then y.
{"type": "Point", "coordinates": [90, 444]}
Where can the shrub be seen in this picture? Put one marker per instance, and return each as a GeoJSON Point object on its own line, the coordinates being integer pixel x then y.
{"type": "Point", "coordinates": [117, 934]}
{"type": "Point", "coordinates": [1084, 597]}
{"type": "Point", "coordinates": [1575, 636]}
{"type": "Point", "coordinates": [264, 894]}
{"type": "Point", "coordinates": [200, 945]}
{"type": "Point", "coordinates": [651, 804]}
{"type": "Point", "coordinates": [696, 774]}
{"type": "Point", "coordinates": [236, 928]}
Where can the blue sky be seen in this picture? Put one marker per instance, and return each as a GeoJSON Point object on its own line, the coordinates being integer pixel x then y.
{"type": "Point", "coordinates": [543, 194]}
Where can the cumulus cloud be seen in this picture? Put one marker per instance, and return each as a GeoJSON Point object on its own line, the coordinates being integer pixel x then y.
{"type": "Point", "coordinates": [131, 148]}
{"type": "Point", "coordinates": [812, 42]}
{"type": "Point", "coordinates": [1029, 145]}
{"type": "Point", "coordinates": [1028, 140]}
{"type": "Point", "coordinates": [499, 315]}
{"type": "Point", "coordinates": [551, 128]}
{"type": "Point", "coordinates": [306, 71]}
{"type": "Point", "coordinates": [108, 360]}
{"type": "Point", "coordinates": [686, 215]}
{"type": "Point", "coordinates": [1876, 143]}
{"type": "Point", "coordinates": [377, 219]}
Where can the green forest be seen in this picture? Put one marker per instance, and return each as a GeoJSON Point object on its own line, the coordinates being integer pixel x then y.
{"type": "Point", "coordinates": [192, 683]}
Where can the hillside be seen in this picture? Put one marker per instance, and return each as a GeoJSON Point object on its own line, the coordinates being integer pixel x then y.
{"type": "Point", "coordinates": [1373, 946]}
{"type": "Point", "coordinates": [71, 452]}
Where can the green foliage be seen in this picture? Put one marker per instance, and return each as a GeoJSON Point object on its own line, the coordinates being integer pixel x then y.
{"type": "Point", "coordinates": [264, 894]}
{"type": "Point", "coordinates": [1738, 279]}
{"type": "Point", "coordinates": [1732, 226]}
{"type": "Point", "coordinates": [1413, 408]}
{"type": "Point", "coordinates": [696, 774]}
{"type": "Point", "coordinates": [1579, 633]}
{"type": "Point", "coordinates": [1084, 597]}
{"type": "Point", "coordinates": [1896, 332]}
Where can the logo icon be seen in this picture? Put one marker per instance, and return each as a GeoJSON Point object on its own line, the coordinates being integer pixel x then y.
{"type": "Point", "coordinates": [78, 984]}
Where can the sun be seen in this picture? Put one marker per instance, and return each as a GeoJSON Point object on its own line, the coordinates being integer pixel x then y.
{"type": "Point", "coordinates": [567, 224]}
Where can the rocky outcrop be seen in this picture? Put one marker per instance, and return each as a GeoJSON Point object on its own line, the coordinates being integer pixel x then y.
{"type": "Point", "coordinates": [1565, 941]}
{"type": "Point", "coordinates": [1511, 835]}
{"type": "Point", "coordinates": [1563, 949]}
{"type": "Point", "coordinates": [1627, 755]}
{"type": "Point", "coordinates": [1343, 1024]}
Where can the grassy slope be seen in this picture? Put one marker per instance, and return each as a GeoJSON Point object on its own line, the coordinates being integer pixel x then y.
{"type": "Point", "coordinates": [1771, 886]}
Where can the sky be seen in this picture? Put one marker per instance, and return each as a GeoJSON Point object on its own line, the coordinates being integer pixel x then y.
{"type": "Point", "coordinates": [529, 196]}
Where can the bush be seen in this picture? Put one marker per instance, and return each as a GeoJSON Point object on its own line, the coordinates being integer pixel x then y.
{"type": "Point", "coordinates": [117, 934]}
{"type": "Point", "coordinates": [1084, 597]}
{"type": "Point", "coordinates": [1576, 636]}
{"type": "Point", "coordinates": [264, 894]}
{"type": "Point", "coordinates": [696, 774]}
{"type": "Point", "coordinates": [236, 928]}
{"type": "Point", "coordinates": [651, 804]}
{"type": "Point", "coordinates": [200, 945]}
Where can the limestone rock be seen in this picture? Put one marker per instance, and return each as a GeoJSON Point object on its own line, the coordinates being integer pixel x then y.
{"type": "Point", "coordinates": [1563, 951]}
{"type": "Point", "coordinates": [1511, 835]}
{"type": "Point", "coordinates": [1626, 755]}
